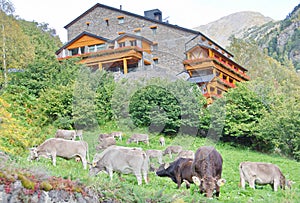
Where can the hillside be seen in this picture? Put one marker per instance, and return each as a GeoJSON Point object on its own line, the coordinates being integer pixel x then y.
{"type": "Point", "coordinates": [280, 39]}
{"type": "Point", "coordinates": [234, 24]}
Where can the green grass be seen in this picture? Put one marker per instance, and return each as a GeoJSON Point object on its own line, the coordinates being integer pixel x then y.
{"type": "Point", "coordinates": [163, 189]}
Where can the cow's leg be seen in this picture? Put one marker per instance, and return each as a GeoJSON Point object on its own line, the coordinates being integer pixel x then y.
{"type": "Point", "coordinates": [187, 184]}
{"type": "Point", "coordinates": [275, 185]}
{"type": "Point", "coordinates": [53, 155]}
{"type": "Point", "coordinates": [145, 174]}
{"type": "Point", "coordinates": [217, 190]}
{"type": "Point", "coordinates": [138, 176]}
{"type": "Point", "coordinates": [242, 182]}
{"type": "Point", "coordinates": [252, 182]}
{"type": "Point", "coordinates": [110, 172]}
{"type": "Point", "coordinates": [178, 180]}
{"type": "Point", "coordinates": [160, 160]}
{"type": "Point", "coordinates": [84, 162]}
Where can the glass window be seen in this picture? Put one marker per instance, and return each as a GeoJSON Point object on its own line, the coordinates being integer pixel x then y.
{"type": "Point", "coordinates": [122, 44]}
{"type": "Point", "coordinates": [74, 51]}
{"type": "Point", "coordinates": [92, 48]}
{"type": "Point", "coordinates": [100, 47]}
{"type": "Point", "coordinates": [133, 43]}
{"type": "Point", "coordinates": [121, 20]}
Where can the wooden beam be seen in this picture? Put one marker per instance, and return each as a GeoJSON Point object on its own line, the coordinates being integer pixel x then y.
{"type": "Point", "coordinates": [125, 66]}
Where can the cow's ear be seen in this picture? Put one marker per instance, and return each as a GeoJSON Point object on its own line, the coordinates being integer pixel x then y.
{"type": "Point", "coordinates": [166, 165]}
{"type": "Point", "coordinates": [221, 182]}
{"type": "Point", "coordinates": [196, 180]}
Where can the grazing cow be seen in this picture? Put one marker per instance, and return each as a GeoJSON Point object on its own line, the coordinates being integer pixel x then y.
{"type": "Point", "coordinates": [98, 156]}
{"type": "Point", "coordinates": [154, 153]}
{"type": "Point", "coordinates": [103, 136]}
{"type": "Point", "coordinates": [172, 150]}
{"type": "Point", "coordinates": [69, 134]}
{"type": "Point", "coordinates": [106, 142]}
{"type": "Point", "coordinates": [179, 171]}
{"type": "Point", "coordinates": [139, 138]}
{"type": "Point", "coordinates": [207, 170]}
{"type": "Point", "coordinates": [123, 160]}
{"type": "Point", "coordinates": [67, 149]}
{"type": "Point", "coordinates": [186, 154]}
{"type": "Point", "coordinates": [262, 173]}
{"type": "Point", "coordinates": [162, 141]}
{"type": "Point", "coordinates": [117, 135]}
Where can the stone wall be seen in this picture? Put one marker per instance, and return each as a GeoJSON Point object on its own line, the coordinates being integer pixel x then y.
{"type": "Point", "coordinates": [170, 39]}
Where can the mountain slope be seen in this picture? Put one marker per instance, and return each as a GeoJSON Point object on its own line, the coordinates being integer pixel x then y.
{"type": "Point", "coordinates": [234, 24]}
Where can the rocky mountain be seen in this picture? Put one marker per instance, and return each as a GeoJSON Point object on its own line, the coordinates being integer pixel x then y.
{"type": "Point", "coordinates": [280, 39]}
{"type": "Point", "coordinates": [234, 24]}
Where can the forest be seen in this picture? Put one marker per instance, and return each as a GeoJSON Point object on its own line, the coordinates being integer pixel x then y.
{"type": "Point", "coordinates": [39, 95]}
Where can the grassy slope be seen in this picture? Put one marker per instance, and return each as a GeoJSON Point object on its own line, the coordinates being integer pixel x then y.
{"type": "Point", "coordinates": [164, 190]}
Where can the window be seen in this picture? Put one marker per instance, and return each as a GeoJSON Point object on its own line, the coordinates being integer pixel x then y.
{"type": "Point", "coordinates": [96, 47]}
{"type": "Point", "coordinates": [106, 21]}
{"type": "Point", "coordinates": [92, 48]}
{"type": "Point", "coordinates": [155, 46]}
{"type": "Point", "coordinates": [100, 47]}
{"type": "Point", "coordinates": [137, 31]}
{"type": "Point", "coordinates": [122, 44]}
{"type": "Point", "coordinates": [153, 28]}
{"type": "Point", "coordinates": [219, 92]}
{"type": "Point", "coordinates": [120, 19]}
{"type": "Point", "coordinates": [133, 43]}
{"type": "Point", "coordinates": [74, 51]}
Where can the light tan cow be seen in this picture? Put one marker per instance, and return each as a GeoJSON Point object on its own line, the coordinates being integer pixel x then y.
{"type": "Point", "coordinates": [262, 173]}
{"type": "Point", "coordinates": [67, 149]}
{"type": "Point", "coordinates": [106, 142]}
{"type": "Point", "coordinates": [174, 149]}
{"type": "Point", "coordinates": [186, 154]}
{"type": "Point", "coordinates": [155, 153]}
{"type": "Point", "coordinates": [139, 138]}
{"type": "Point", "coordinates": [69, 134]}
{"type": "Point", "coordinates": [162, 141]}
{"type": "Point", "coordinates": [123, 160]}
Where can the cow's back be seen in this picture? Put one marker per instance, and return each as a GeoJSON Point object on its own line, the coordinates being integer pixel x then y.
{"type": "Point", "coordinates": [63, 147]}
{"type": "Point", "coordinates": [124, 160]}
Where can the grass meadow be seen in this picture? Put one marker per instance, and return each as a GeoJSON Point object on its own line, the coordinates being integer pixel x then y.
{"type": "Point", "coordinates": [125, 189]}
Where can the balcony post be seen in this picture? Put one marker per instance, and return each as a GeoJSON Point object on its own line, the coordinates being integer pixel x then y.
{"type": "Point", "coordinates": [125, 66]}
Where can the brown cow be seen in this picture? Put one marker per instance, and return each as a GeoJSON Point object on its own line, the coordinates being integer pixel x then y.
{"type": "Point", "coordinates": [67, 149]}
{"type": "Point", "coordinates": [262, 173]}
{"type": "Point", "coordinates": [207, 170]}
{"type": "Point", "coordinates": [179, 171]}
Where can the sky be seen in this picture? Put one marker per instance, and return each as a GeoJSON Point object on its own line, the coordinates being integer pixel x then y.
{"type": "Point", "coordinates": [184, 13]}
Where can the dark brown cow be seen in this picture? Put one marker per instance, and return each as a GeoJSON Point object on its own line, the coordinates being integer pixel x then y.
{"type": "Point", "coordinates": [207, 170]}
{"type": "Point", "coordinates": [179, 171]}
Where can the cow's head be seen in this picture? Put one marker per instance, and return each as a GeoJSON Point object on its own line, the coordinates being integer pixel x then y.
{"type": "Point", "coordinates": [162, 170]}
{"type": "Point", "coordinates": [207, 185]}
{"type": "Point", "coordinates": [33, 154]}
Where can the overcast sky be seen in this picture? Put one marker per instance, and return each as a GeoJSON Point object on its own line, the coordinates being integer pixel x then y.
{"type": "Point", "coordinates": [184, 13]}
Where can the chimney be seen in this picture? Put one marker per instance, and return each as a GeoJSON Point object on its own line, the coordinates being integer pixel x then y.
{"type": "Point", "coordinates": [154, 14]}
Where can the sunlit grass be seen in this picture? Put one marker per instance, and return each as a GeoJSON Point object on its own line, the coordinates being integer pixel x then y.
{"type": "Point", "coordinates": [163, 189]}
